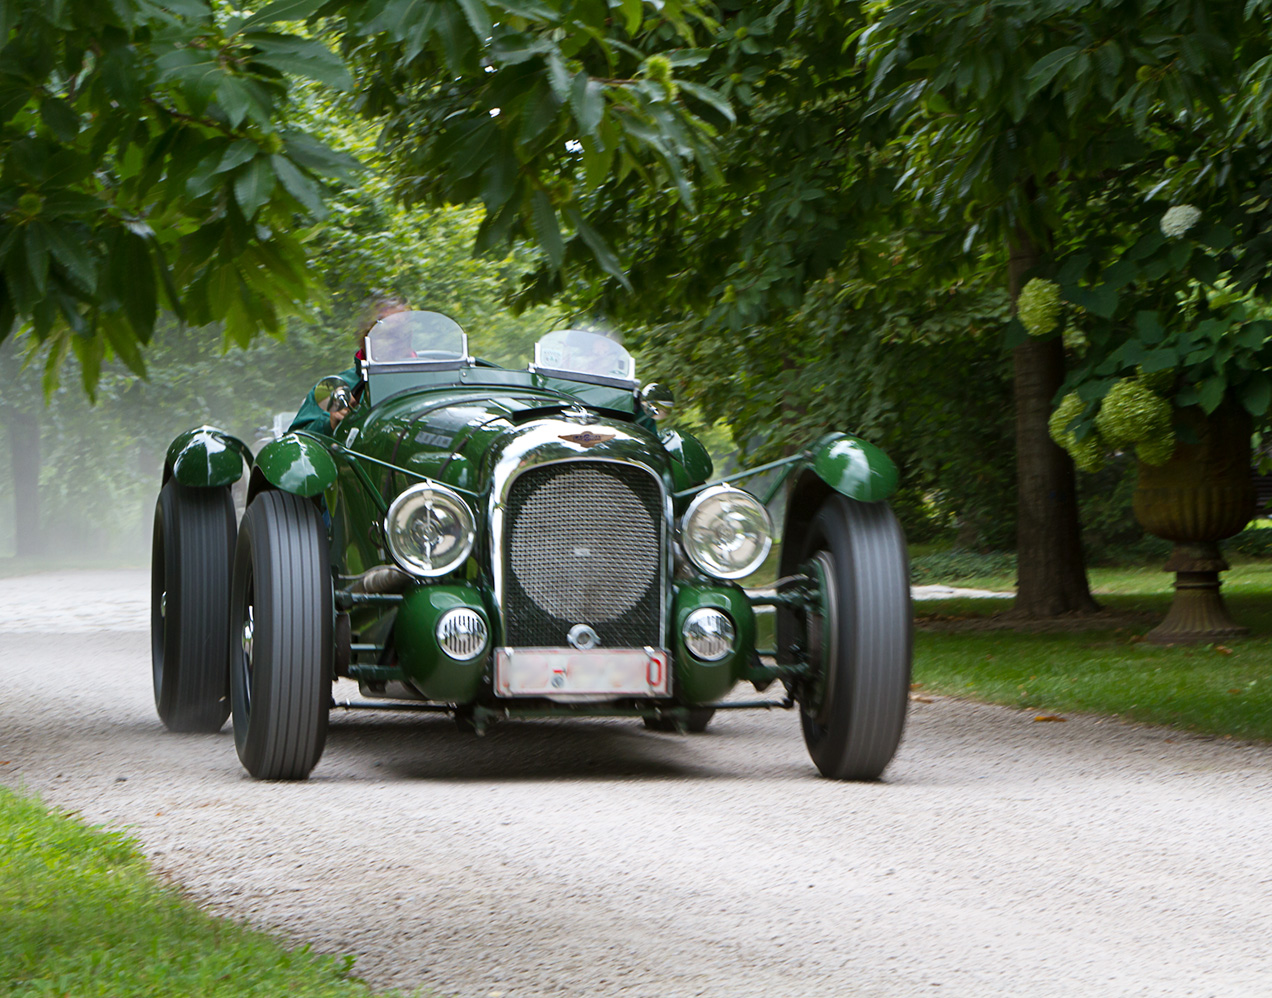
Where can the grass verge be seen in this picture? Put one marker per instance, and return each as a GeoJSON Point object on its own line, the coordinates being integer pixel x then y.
{"type": "Point", "coordinates": [81, 914]}
{"type": "Point", "coordinates": [1106, 667]}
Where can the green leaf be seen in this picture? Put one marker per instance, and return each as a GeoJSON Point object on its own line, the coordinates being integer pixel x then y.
{"type": "Point", "coordinates": [1216, 236]}
{"type": "Point", "coordinates": [632, 14]}
{"type": "Point", "coordinates": [36, 243]}
{"type": "Point", "coordinates": [235, 100]}
{"type": "Point", "coordinates": [253, 186]}
{"type": "Point", "coordinates": [304, 57]}
{"type": "Point", "coordinates": [558, 76]}
{"type": "Point", "coordinates": [1045, 69]}
{"type": "Point", "coordinates": [61, 118]}
{"type": "Point", "coordinates": [1256, 393]}
{"type": "Point", "coordinates": [709, 97]}
{"type": "Point", "coordinates": [599, 247]}
{"type": "Point", "coordinates": [284, 10]}
{"type": "Point", "coordinates": [478, 18]}
{"type": "Point", "coordinates": [1148, 326]}
{"type": "Point", "coordinates": [587, 101]}
{"type": "Point", "coordinates": [299, 186]}
{"type": "Point", "coordinates": [238, 153]}
{"type": "Point", "coordinates": [1212, 391]}
{"type": "Point", "coordinates": [313, 155]}
{"type": "Point", "coordinates": [547, 229]}
{"type": "Point", "coordinates": [71, 251]}
{"type": "Point", "coordinates": [124, 343]}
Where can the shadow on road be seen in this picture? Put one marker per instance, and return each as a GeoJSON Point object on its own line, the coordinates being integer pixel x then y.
{"type": "Point", "coordinates": [433, 748]}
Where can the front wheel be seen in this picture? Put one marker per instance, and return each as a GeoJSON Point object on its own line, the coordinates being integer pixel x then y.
{"type": "Point", "coordinates": [191, 552]}
{"type": "Point", "coordinates": [860, 639]}
{"type": "Point", "coordinates": [281, 638]}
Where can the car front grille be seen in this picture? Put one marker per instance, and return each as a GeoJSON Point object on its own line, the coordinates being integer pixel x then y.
{"type": "Point", "coordinates": [584, 546]}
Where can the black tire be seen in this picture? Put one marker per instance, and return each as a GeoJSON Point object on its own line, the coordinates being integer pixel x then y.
{"type": "Point", "coordinates": [281, 644]}
{"type": "Point", "coordinates": [190, 558]}
{"type": "Point", "coordinates": [853, 711]}
{"type": "Point", "coordinates": [699, 718]}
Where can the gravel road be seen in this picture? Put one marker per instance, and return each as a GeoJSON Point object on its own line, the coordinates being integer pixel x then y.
{"type": "Point", "coordinates": [999, 856]}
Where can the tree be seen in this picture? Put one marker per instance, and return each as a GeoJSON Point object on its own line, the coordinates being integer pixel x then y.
{"type": "Point", "coordinates": [144, 166]}
{"type": "Point", "coordinates": [148, 162]}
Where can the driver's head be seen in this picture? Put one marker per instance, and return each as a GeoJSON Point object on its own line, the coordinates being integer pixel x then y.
{"type": "Point", "coordinates": [380, 306]}
{"type": "Point", "coordinates": [392, 337]}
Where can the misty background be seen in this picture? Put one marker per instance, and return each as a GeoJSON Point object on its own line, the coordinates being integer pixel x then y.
{"type": "Point", "coordinates": [80, 474]}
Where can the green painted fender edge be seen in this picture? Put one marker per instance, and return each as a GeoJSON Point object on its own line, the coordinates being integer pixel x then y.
{"type": "Point", "coordinates": [206, 457]}
{"type": "Point", "coordinates": [690, 463]}
{"type": "Point", "coordinates": [297, 464]}
{"type": "Point", "coordinates": [854, 467]}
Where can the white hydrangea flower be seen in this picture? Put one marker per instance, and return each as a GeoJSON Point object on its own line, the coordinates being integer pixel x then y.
{"type": "Point", "coordinates": [1179, 219]}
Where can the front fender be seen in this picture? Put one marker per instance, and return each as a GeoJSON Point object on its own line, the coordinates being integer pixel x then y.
{"type": "Point", "coordinates": [294, 463]}
{"type": "Point", "coordinates": [854, 467]}
{"type": "Point", "coordinates": [206, 457]}
{"type": "Point", "coordinates": [690, 463]}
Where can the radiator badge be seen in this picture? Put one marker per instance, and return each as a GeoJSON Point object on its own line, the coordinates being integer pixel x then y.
{"type": "Point", "coordinates": [587, 438]}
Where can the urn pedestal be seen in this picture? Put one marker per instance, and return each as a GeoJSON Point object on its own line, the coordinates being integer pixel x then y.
{"type": "Point", "coordinates": [1203, 494]}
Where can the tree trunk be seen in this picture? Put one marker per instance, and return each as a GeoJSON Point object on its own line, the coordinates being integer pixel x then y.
{"type": "Point", "coordinates": [1051, 574]}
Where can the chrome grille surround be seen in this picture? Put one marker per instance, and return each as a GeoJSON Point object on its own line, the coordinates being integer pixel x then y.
{"type": "Point", "coordinates": [584, 546]}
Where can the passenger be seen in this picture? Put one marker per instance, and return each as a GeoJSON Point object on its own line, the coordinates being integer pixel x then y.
{"type": "Point", "coordinates": [314, 418]}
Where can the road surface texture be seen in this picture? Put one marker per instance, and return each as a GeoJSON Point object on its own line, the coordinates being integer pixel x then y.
{"type": "Point", "coordinates": [998, 857]}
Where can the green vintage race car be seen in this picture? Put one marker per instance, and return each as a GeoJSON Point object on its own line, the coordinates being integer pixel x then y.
{"type": "Point", "coordinates": [502, 543]}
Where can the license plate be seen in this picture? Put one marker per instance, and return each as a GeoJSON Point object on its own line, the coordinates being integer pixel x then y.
{"type": "Point", "coordinates": [566, 673]}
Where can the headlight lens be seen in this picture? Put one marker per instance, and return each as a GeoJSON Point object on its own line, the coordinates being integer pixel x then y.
{"type": "Point", "coordinates": [708, 634]}
{"type": "Point", "coordinates": [462, 633]}
{"type": "Point", "coordinates": [726, 532]}
{"type": "Point", "coordinates": [429, 529]}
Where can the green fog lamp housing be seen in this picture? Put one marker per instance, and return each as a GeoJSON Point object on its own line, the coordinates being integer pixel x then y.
{"type": "Point", "coordinates": [726, 532]}
{"type": "Point", "coordinates": [708, 634]}
{"type": "Point", "coordinates": [429, 529]}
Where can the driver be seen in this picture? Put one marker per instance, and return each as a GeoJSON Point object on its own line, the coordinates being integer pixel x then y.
{"type": "Point", "coordinates": [312, 417]}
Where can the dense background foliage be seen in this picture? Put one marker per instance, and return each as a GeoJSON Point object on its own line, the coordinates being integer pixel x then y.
{"type": "Point", "coordinates": [806, 214]}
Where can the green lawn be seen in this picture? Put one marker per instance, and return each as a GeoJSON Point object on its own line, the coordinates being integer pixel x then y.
{"type": "Point", "coordinates": [82, 915]}
{"type": "Point", "coordinates": [1223, 689]}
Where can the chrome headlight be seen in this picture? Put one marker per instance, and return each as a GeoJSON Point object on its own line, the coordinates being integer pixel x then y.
{"type": "Point", "coordinates": [726, 532]}
{"type": "Point", "coordinates": [708, 634]}
{"type": "Point", "coordinates": [429, 529]}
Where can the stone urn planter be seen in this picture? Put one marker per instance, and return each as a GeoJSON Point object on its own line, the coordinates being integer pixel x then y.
{"type": "Point", "coordinates": [1203, 494]}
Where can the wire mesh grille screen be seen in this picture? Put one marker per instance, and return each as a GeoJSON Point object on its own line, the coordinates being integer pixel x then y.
{"type": "Point", "coordinates": [584, 547]}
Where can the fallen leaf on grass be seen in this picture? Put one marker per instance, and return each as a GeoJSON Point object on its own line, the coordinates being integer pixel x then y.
{"type": "Point", "coordinates": [1235, 691]}
{"type": "Point", "coordinates": [915, 686]}
{"type": "Point", "coordinates": [920, 699]}
{"type": "Point", "coordinates": [1223, 649]}
{"type": "Point", "coordinates": [1050, 717]}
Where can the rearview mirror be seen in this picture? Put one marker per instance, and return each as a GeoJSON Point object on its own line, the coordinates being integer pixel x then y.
{"type": "Point", "coordinates": [657, 400]}
{"type": "Point", "coordinates": [332, 394]}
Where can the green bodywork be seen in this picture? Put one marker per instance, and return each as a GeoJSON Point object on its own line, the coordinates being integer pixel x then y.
{"type": "Point", "coordinates": [206, 457]}
{"type": "Point", "coordinates": [703, 682]}
{"type": "Point", "coordinates": [854, 467]}
{"type": "Point", "coordinates": [434, 673]}
{"type": "Point", "coordinates": [297, 463]}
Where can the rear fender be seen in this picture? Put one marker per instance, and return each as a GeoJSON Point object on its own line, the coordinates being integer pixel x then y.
{"type": "Point", "coordinates": [293, 463]}
{"type": "Point", "coordinates": [206, 458]}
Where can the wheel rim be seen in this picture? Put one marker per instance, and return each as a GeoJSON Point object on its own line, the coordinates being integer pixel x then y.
{"type": "Point", "coordinates": [823, 630]}
{"type": "Point", "coordinates": [247, 642]}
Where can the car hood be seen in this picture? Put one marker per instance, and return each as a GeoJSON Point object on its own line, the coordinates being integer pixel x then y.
{"type": "Point", "coordinates": [461, 436]}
